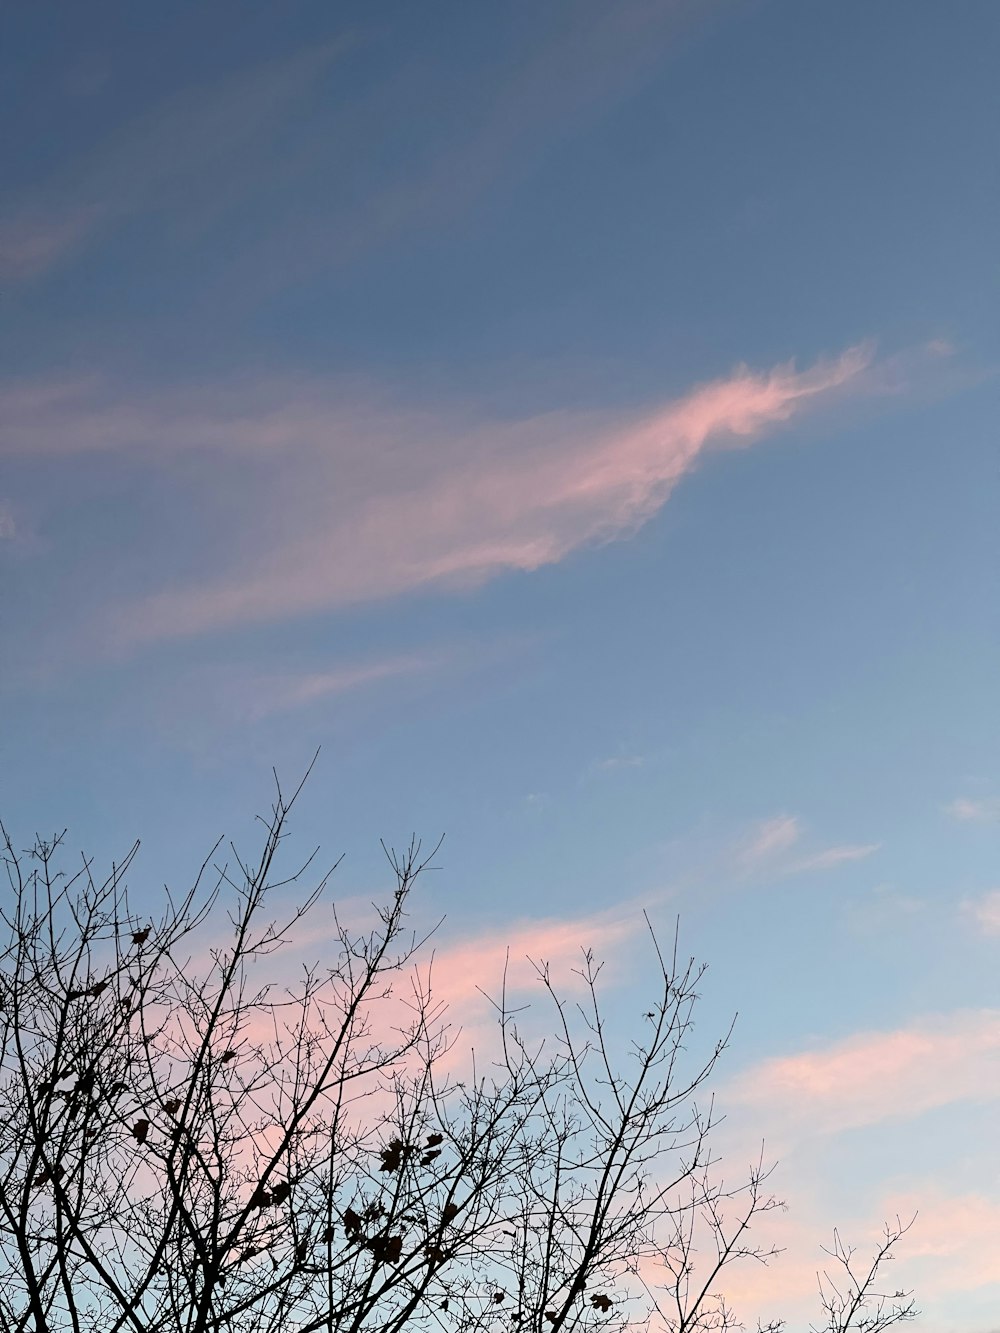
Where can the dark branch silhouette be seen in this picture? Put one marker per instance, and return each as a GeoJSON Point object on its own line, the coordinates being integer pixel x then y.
{"type": "Point", "coordinates": [188, 1146]}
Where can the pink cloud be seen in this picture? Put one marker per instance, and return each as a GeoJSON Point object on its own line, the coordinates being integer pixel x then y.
{"type": "Point", "coordinates": [463, 975]}
{"type": "Point", "coordinates": [467, 503]}
{"type": "Point", "coordinates": [876, 1076]}
{"type": "Point", "coordinates": [461, 967]}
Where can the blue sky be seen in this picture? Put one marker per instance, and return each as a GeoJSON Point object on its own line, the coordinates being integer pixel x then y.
{"type": "Point", "coordinates": [579, 420]}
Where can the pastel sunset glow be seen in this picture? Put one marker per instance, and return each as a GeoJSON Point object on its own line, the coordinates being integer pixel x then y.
{"type": "Point", "coordinates": [577, 420]}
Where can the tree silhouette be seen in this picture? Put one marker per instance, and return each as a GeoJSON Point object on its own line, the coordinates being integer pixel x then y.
{"type": "Point", "coordinates": [186, 1145]}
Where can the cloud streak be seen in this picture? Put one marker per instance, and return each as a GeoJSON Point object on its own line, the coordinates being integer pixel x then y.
{"type": "Point", "coordinates": [197, 151]}
{"type": "Point", "coordinates": [212, 146]}
{"type": "Point", "coordinates": [771, 837]}
{"type": "Point", "coordinates": [284, 693]}
{"type": "Point", "coordinates": [770, 845]}
{"type": "Point", "coordinates": [875, 1076]}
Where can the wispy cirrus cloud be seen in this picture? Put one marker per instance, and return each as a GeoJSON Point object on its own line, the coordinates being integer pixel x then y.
{"type": "Point", "coordinates": [295, 497]}
{"type": "Point", "coordinates": [770, 837]}
{"type": "Point", "coordinates": [834, 856]}
{"type": "Point", "coordinates": [437, 503]}
{"type": "Point", "coordinates": [284, 692]}
{"type": "Point", "coordinates": [199, 149]}
{"type": "Point", "coordinates": [215, 144]}
{"type": "Point", "coordinates": [772, 846]}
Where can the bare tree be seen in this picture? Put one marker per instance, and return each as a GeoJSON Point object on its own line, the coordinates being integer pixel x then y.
{"type": "Point", "coordinates": [187, 1145]}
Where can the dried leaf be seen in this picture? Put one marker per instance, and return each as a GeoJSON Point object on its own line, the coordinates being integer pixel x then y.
{"type": "Point", "coordinates": [173, 1106]}
{"type": "Point", "coordinates": [385, 1249]}
{"type": "Point", "coordinates": [140, 936]}
{"type": "Point", "coordinates": [434, 1139]}
{"type": "Point", "coordinates": [392, 1156]}
{"type": "Point", "coordinates": [140, 1129]}
{"type": "Point", "coordinates": [601, 1302]}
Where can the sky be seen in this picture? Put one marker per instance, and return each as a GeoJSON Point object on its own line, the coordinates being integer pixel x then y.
{"type": "Point", "coordinates": [579, 421]}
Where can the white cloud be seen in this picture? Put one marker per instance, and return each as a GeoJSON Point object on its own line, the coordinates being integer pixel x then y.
{"type": "Point", "coordinates": [617, 763]}
{"type": "Point", "coordinates": [769, 846]}
{"type": "Point", "coordinates": [985, 912]}
{"type": "Point", "coordinates": [770, 837]}
{"type": "Point", "coordinates": [834, 856]}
